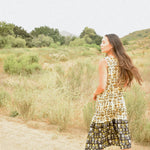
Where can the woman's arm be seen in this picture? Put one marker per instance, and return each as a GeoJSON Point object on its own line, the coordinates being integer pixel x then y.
{"type": "Point", "coordinates": [102, 78]}
{"type": "Point", "coordinates": [125, 86]}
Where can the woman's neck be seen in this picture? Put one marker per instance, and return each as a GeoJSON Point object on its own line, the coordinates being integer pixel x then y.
{"type": "Point", "coordinates": [111, 55]}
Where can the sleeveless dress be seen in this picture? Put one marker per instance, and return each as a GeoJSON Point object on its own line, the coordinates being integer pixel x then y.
{"type": "Point", "coordinates": [109, 125]}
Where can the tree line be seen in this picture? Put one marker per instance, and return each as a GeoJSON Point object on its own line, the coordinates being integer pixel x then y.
{"type": "Point", "coordinates": [12, 35]}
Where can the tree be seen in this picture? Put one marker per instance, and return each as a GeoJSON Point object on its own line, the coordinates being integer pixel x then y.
{"type": "Point", "coordinates": [68, 39]}
{"type": "Point", "coordinates": [62, 40]}
{"type": "Point", "coordinates": [6, 29]}
{"type": "Point", "coordinates": [20, 32]}
{"type": "Point", "coordinates": [88, 32]}
{"type": "Point", "coordinates": [47, 31]}
{"type": "Point", "coordinates": [88, 39]}
{"type": "Point", "coordinates": [42, 41]}
{"type": "Point", "coordinates": [78, 42]}
{"type": "Point", "coordinates": [98, 39]}
{"type": "Point", "coordinates": [90, 36]}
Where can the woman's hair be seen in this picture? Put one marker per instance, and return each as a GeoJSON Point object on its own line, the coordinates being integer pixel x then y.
{"type": "Point", "coordinates": [127, 70]}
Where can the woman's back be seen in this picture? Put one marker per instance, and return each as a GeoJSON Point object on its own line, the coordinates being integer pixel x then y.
{"type": "Point", "coordinates": [111, 104]}
{"type": "Point", "coordinates": [112, 78]}
{"type": "Point", "coordinates": [109, 124]}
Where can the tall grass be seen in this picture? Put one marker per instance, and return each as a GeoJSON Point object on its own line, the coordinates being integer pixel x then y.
{"type": "Point", "coordinates": [22, 103]}
{"type": "Point", "coordinates": [52, 94]}
{"type": "Point", "coordinates": [88, 112]}
{"type": "Point", "coordinates": [63, 94]}
{"type": "Point", "coordinates": [4, 98]}
{"type": "Point", "coordinates": [136, 102]}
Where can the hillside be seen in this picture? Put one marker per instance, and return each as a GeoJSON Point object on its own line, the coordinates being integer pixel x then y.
{"type": "Point", "coordinates": [136, 35]}
{"type": "Point", "coordinates": [137, 40]}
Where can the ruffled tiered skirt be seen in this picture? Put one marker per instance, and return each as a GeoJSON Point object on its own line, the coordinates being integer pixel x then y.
{"type": "Point", "coordinates": [109, 125]}
{"type": "Point", "coordinates": [110, 133]}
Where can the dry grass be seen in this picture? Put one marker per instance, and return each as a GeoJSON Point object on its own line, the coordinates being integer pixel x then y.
{"type": "Point", "coordinates": [59, 93]}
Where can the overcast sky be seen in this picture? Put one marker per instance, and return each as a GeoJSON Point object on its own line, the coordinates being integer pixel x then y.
{"type": "Point", "coordinates": [105, 16]}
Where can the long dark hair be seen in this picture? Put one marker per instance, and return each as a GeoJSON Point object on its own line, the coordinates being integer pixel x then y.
{"type": "Point", "coordinates": [127, 70]}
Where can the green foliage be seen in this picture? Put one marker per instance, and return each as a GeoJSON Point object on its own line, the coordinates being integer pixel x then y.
{"type": "Point", "coordinates": [78, 42]}
{"type": "Point", "coordinates": [6, 29]}
{"type": "Point", "coordinates": [88, 32]}
{"type": "Point", "coordinates": [14, 113]}
{"type": "Point", "coordinates": [47, 31]}
{"type": "Point", "coordinates": [42, 30]}
{"type": "Point", "coordinates": [11, 30]}
{"type": "Point", "coordinates": [88, 39]}
{"type": "Point", "coordinates": [98, 39]}
{"type": "Point", "coordinates": [10, 41]}
{"type": "Point", "coordinates": [137, 35]}
{"type": "Point", "coordinates": [20, 32]}
{"type": "Point", "coordinates": [3, 42]}
{"type": "Point", "coordinates": [29, 42]}
{"type": "Point", "coordinates": [42, 36]}
{"type": "Point", "coordinates": [25, 64]}
{"type": "Point", "coordinates": [62, 40]}
{"type": "Point", "coordinates": [54, 45]}
{"type": "Point", "coordinates": [92, 46]}
{"type": "Point", "coordinates": [90, 36]}
{"type": "Point", "coordinates": [18, 42]}
{"type": "Point", "coordinates": [125, 42]}
{"type": "Point", "coordinates": [68, 39]}
{"type": "Point", "coordinates": [42, 41]}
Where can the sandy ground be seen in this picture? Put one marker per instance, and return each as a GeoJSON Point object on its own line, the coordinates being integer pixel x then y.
{"type": "Point", "coordinates": [33, 135]}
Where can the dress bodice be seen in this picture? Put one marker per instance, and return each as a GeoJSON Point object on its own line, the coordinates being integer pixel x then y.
{"type": "Point", "coordinates": [113, 76]}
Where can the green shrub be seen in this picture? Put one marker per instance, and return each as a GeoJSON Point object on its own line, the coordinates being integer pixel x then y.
{"type": "Point", "coordinates": [54, 45]}
{"type": "Point", "coordinates": [42, 41]}
{"type": "Point", "coordinates": [10, 41]}
{"type": "Point", "coordinates": [19, 42]}
{"type": "Point", "coordinates": [2, 42]}
{"type": "Point", "coordinates": [93, 46]}
{"type": "Point", "coordinates": [125, 42]}
{"type": "Point", "coordinates": [24, 64]}
{"type": "Point", "coordinates": [14, 113]}
{"type": "Point", "coordinates": [78, 42]}
{"type": "Point", "coordinates": [88, 39]}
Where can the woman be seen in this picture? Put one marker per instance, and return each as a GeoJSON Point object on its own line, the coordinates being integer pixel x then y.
{"type": "Point", "coordinates": [109, 125]}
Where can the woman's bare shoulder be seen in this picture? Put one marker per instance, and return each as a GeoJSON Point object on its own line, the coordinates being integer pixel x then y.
{"type": "Point", "coordinates": [103, 62]}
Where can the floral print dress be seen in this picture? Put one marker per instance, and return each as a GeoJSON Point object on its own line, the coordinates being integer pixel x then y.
{"type": "Point", "coordinates": [109, 125]}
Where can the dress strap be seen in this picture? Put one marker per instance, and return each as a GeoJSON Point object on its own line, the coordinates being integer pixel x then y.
{"type": "Point", "coordinates": [110, 61]}
{"type": "Point", "coordinates": [107, 60]}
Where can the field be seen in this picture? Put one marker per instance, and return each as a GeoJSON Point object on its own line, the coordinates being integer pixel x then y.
{"type": "Point", "coordinates": [51, 106]}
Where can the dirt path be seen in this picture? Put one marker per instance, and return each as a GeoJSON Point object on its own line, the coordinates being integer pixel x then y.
{"type": "Point", "coordinates": [17, 135]}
